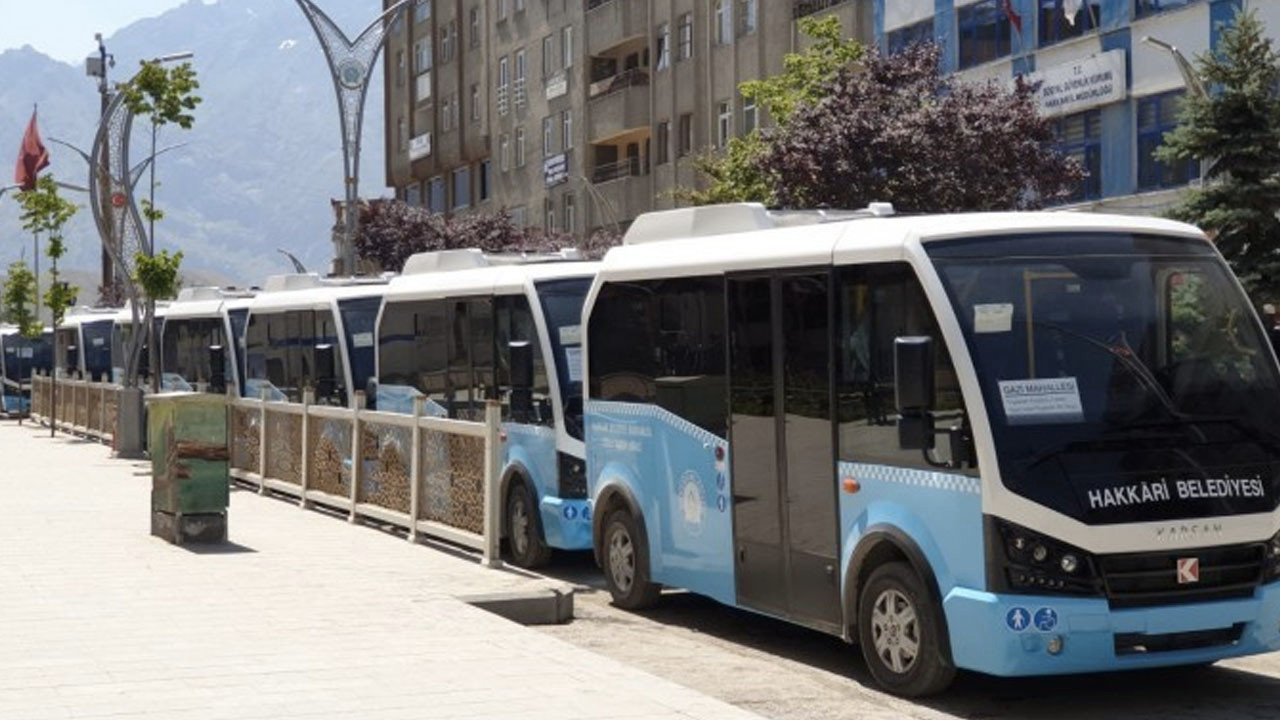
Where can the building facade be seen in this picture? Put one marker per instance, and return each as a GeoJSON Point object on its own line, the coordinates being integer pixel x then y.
{"type": "Point", "coordinates": [1108, 77]}
{"type": "Point", "coordinates": [577, 115]}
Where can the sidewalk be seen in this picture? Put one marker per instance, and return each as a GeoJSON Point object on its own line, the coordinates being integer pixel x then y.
{"type": "Point", "coordinates": [304, 616]}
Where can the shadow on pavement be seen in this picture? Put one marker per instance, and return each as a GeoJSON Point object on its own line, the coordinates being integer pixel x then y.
{"type": "Point", "coordinates": [1204, 692]}
{"type": "Point", "coordinates": [226, 548]}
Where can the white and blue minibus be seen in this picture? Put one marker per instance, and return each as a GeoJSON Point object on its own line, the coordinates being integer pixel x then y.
{"type": "Point", "coordinates": [1019, 444]}
{"type": "Point", "coordinates": [304, 332]}
{"type": "Point", "coordinates": [202, 338]}
{"type": "Point", "coordinates": [20, 357]}
{"type": "Point", "coordinates": [83, 343]}
{"type": "Point", "coordinates": [459, 328]}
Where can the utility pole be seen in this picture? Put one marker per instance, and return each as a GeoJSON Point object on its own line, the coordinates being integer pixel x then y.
{"type": "Point", "coordinates": [98, 66]}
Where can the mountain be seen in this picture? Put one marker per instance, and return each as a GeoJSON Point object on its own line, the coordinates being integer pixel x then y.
{"type": "Point", "coordinates": [260, 165]}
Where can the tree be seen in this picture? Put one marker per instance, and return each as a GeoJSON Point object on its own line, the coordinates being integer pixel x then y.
{"type": "Point", "coordinates": [45, 211]}
{"type": "Point", "coordinates": [158, 275]}
{"type": "Point", "coordinates": [733, 175]}
{"type": "Point", "coordinates": [1235, 130]}
{"type": "Point", "coordinates": [390, 231]}
{"type": "Point", "coordinates": [166, 96]}
{"type": "Point", "coordinates": [896, 129]}
{"type": "Point", "coordinates": [19, 298]}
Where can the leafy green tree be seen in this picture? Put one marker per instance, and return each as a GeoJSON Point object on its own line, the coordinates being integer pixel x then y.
{"type": "Point", "coordinates": [165, 96]}
{"type": "Point", "coordinates": [157, 275]}
{"type": "Point", "coordinates": [733, 175]}
{"type": "Point", "coordinates": [44, 211]}
{"type": "Point", "coordinates": [1235, 131]}
{"type": "Point", "coordinates": [19, 298]}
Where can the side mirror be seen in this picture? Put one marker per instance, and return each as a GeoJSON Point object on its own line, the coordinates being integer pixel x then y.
{"type": "Point", "coordinates": [521, 380]}
{"type": "Point", "coordinates": [72, 358]}
{"type": "Point", "coordinates": [326, 371]}
{"type": "Point", "coordinates": [913, 369]}
{"type": "Point", "coordinates": [217, 370]}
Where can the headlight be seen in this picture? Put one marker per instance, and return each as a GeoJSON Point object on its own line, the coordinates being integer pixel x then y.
{"type": "Point", "coordinates": [1272, 561]}
{"type": "Point", "coordinates": [1022, 561]}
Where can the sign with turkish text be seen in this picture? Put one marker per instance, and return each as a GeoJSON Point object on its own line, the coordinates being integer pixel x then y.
{"type": "Point", "coordinates": [1071, 87]}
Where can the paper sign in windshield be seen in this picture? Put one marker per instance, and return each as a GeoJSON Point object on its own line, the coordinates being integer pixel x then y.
{"type": "Point", "coordinates": [993, 318]}
{"type": "Point", "coordinates": [573, 358]}
{"type": "Point", "coordinates": [571, 335]}
{"type": "Point", "coordinates": [1041, 402]}
{"type": "Point", "coordinates": [362, 340]}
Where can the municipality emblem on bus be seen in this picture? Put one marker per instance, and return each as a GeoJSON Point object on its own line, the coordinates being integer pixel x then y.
{"type": "Point", "coordinates": [1188, 570]}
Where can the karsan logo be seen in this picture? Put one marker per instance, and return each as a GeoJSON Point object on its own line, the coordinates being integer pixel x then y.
{"type": "Point", "coordinates": [1188, 531]}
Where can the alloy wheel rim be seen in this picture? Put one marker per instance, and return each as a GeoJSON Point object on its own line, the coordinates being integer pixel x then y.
{"type": "Point", "coordinates": [895, 631]}
{"type": "Point", "coordinates": [622, 561]}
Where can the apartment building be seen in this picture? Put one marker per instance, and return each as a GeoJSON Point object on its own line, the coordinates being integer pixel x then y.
{"type": "Point", "coordinates": [1108, 77]}
{"type": "Point", "coordinates": [577, 115]}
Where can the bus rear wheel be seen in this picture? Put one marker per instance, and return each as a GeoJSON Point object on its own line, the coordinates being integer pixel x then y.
{"type": "Point", "coordinates": [626, 563]}
{"type": "Point", "coordinates": [524, 536]}
{"type": "Point", "coordinates": [900, 631]}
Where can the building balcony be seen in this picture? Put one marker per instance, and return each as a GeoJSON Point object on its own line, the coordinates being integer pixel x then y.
{"type": "Point", "coordinates": [613, 22]}
{"type": "Point", "coordinates": [618, 105]}
{"type": "Point", "coordinates": [620, 191]}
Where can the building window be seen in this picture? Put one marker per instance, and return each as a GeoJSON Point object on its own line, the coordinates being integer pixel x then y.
{"type": "Point", "coordinates": [446, 123]}
{"type": "Point", "coordinates": [566, 130]}
{"type": "Point", "coordinates": [484, 190]}
{"type": "Point", "coordinates": [664, 46]}
{"type": "Point", "coordinates": [914, 34]}
{"type": "Point", "coordinates": [548, 136]}
{"type": "Point", "coordinates": [1158, 115]}
{"type": "Point", "coordinates": [570, 213]}
{"type": "Point", "coordinates": [504, 81]}
{"type": "Point", "coordinates": [504, 153]}
{"type": "Point", "coordinates": [724, 22]}
{"type": "Point", "coordinates": [1142, 8]}
{"type": "Point", "coordinates": [1080, 136]}
{"type": "Point", "coordinates": [748, 11]}
{"type": "Point", "coordinates": [566, 46]}
{"type": "Point", "coordinates": [502, 9]}
{"type": "Point", "coordinates": [400, 68]}
{"type": "Point", "coordinates": [549, 210]}
{"type": "Point", "coordinates": [521, 95]}
{"type": "Point", "coordinates": [422, 11]}
{"type": "Point", "coordinates": [1056, 27]}
{"type": "Point", "coordinates": [475, 102]}
{"type": "Point", "coordinates": [724, 124]}
{"type": "Point", "coordinates": [520, 5]}
{"type": "Point", "coordinates": [475, 26]}
{"type": "Point", "coordinates": [985, 33]}
{"type": "Point", "coordinates": [684, 137]}
{"type": "Point", "coordinates": [413, 195]}
{"type": "Point", "coordinates": [422, 56]}
{"type": "Point", "coordinates": [519, 147]}
{"type": "Point", "coordinates": [461, 188]}
{"type": "Point", "coordinates": [448, 41]}
{"type": "Point", "coordinates": [663, 141]}
{"type": "Point", "coordinates": [686, 37]}
{"type": "Point", "coordinates": [548, 56]}
{"type": "Point", "coordinates": [749, 116]}
{"type": "Point", "coordinates": [435, 195]}
{"type": "Point", "coordinates": [402, 134]}
{"type": "Point", "coordinates": [517, 215]}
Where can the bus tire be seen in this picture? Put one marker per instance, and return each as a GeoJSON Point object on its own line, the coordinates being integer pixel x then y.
{"type": "Point", "coordinates": [900, 631]}
{"type": "Point", "coordinates": [625, 558]}
{"type": "Point", "coordinates": [527, 547]}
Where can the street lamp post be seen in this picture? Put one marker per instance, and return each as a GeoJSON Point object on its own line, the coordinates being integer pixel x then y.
{"type": "Point", "coordinates": [1190, 80]}
{"type": "Point", "coordinates": [97, 66]}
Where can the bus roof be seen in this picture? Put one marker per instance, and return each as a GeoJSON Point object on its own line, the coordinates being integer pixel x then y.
{"type": "Point", "coordinates": [869, 239]}
{"type": "Point", "coordinates": [320, 297]}
{"type": "Point", "coordinates": [495, 280]}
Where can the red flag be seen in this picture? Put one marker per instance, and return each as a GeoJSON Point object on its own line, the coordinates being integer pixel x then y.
{"type": "Point", "coordinates": [32, 157]}
{"type": "Point", "coordinates": [1014, 18]}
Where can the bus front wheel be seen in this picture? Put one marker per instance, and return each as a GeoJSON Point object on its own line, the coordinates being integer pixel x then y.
{"type": "Point", "coordinates": [626, 563]}
{"type": "Point", "coordinates": [524, 537]}
{"type": "Point", "coordinates": [900, 631]}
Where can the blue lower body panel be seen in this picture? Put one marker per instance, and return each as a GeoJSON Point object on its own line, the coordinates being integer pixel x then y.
{"type": "Point", "coordinates": [1010, 635]}
{"type": "Point", "coordinates": [566, 524]}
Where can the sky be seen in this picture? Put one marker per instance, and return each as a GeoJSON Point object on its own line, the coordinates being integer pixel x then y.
{"type": "Point", "coordinates": [63, 29]}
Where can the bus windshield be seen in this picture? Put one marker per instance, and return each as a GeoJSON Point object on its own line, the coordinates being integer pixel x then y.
{"type": "Point", "coordinates": [562, 307]}
{"type": "Point", "coordinates": [1125, 377]}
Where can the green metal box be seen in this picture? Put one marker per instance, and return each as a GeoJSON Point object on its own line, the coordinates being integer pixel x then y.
{"type": "Point", "coordinates": [190, 463]}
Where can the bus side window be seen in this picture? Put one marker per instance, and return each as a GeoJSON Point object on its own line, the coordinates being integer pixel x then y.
{"type": "Point", "coordinates": [875, 305]}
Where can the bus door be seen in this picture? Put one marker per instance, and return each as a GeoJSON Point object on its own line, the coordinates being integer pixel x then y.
{"type": "Point", "coordinates": [785, 525]}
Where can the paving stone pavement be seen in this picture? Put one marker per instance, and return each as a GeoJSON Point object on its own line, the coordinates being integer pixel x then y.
{"type": "Point", "coordinates": [302, 616]}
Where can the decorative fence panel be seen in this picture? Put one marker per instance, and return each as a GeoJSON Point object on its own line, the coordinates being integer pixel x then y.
{"type": "Point", "coordinates": [83, 408]}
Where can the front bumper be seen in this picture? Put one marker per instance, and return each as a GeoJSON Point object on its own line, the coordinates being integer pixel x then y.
{"type": "Point", "coordinates": [1011, 635]}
